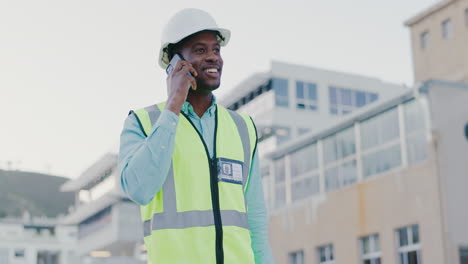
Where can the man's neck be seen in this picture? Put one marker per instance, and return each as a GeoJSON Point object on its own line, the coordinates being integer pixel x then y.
{"type": "Point", "coordinates": [200, 102]}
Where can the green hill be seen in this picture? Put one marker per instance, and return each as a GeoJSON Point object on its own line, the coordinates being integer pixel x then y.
{"type": "Point", "coordinates": [34, 192]}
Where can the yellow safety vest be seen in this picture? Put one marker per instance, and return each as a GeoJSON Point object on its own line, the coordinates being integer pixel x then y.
{"type": "Point", "coordinates": [199, 215]}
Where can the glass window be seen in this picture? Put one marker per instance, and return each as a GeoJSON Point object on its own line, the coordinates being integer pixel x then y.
{"type": "Point", "coordinates": [380, 129]}
{"type": "Point", "coordinates": [312, 91]}
{"type": "Point", "coordinates": [424, 39]}
{"type": "Point", "coordinates": [339, 146]}
{"type": "Point", "coordinates": [414, 116]}
{"type": "Point", "coordinates": [360, 98]}
{"type": "Point", "coordinates": [382, 160]}
{"type": "Point", "coordinates": [305, 180]}
{"type": "Point", "coordinates": [409, 246]}
{"type": "Point", "coordinates": [344, 101]}
{"type": "Point", "coordinates": [19, 253]}
{"type": "Point", "coordinates": [346, 96]}
{"type": "Point", "coordinates": [333, 97]}
{"type": "Point", "coordinates": [300, 90]}
{"type": "Point", "coordinates": [296, 257]}
{"type": "Point", "coordinates": [304, 160]}
{"type": "Point", "coordinates": [447, 29]}
{"type": "Point", "coordinates": [280, 170]}
{"type": "Point", "coordinates": [373, 97]}
{"type": "Point", "coordinates": [464, 255]}
{"type": "Point", "coordinates": [280, 186]}
{"type": "Point", "coordinates": [280, 87]}
{"type": "Point", "coordinates": [325, 254]}
{"type": "Point", "coordinates": [305, 187]}
{"type": "Point", "coordinates": [466, 17]}
{"type": "Point", "coordinates": [340, 176]}
{"type": "Point", "coordinates": [370, 249]}
{"type": "Point", "coordinates": [306, 95]}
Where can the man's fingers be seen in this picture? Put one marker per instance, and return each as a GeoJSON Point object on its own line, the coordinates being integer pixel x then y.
{"type": "Point", "coordinates": [180, 65]}
{"type": "Point", "coordinates": [193, 71]}
{"type": "Point", "coordinates": [193, 83]}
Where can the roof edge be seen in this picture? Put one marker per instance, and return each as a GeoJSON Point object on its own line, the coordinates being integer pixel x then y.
{"type": "Point", "coordinates": [426, 12]}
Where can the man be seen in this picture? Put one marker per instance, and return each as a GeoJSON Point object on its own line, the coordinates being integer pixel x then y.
{"type": "Point", "coordinates": [191, 164]}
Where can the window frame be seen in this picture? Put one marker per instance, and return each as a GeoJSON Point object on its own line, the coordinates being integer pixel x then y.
{"type": "Point", "coordinates": [329, 258]}
{"type": "Point", "coordinates": [447, 28]}
{"type": "Point", "coordinates": [292, 255]}
{"type": "Point", "coordinates": [374, 253]}
{"type": "Point", "coordinates": [411, 246]}
{"type": "Point", "coordinates": [281, 100]}
{"type": "Point", "coordinates": [306, 102]}
{"type": "Point", "coordinates": [424, 40]}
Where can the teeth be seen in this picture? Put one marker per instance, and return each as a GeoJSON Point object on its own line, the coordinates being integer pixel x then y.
{"type": "Point", "coordinates": [211, 70]}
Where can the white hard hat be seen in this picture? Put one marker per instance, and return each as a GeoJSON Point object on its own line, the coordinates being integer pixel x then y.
{"type": "Point", "coordinates": [184, 23]}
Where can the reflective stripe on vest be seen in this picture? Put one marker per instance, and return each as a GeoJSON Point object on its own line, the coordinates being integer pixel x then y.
{"type": "Point", "coordinates": [162, 212]}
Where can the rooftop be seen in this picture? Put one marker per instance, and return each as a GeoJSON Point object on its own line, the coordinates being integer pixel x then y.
{"type": "Point", "coordinates": [427, 12]}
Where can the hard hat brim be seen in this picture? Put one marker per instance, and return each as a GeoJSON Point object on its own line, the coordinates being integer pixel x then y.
{"type": "Point", "coordinates": [164, 57]}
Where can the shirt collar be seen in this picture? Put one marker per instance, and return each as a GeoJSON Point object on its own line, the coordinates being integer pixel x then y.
{"type": "Point", "coordinates": [187, 108]}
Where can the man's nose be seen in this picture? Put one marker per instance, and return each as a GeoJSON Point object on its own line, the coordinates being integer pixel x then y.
{"type": "Point", "coordinates": [212, 56]}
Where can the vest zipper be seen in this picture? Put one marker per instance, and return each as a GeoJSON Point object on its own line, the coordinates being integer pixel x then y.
{"type": "Point", "coordinates": [214, 190]}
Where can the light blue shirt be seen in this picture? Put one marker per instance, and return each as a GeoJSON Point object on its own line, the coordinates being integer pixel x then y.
{"type": "Point", "coordinates": [144, 164]}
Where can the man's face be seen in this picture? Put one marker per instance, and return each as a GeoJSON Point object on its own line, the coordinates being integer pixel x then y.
{"type": "Point", "coordinates": [203, 52]}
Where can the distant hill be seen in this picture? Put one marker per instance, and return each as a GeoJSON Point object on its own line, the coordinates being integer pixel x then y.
{"type": "Point", "coordinates": [34, 192]}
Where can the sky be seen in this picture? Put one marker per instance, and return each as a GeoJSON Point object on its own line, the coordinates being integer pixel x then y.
{"type": "Point", "coordinates": [70, 70]}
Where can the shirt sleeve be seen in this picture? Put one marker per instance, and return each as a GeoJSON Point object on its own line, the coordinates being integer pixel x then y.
{"type": "Point", "coordinates": [257, 216]}
{"type": "Point", "coordinates": [145, 161]}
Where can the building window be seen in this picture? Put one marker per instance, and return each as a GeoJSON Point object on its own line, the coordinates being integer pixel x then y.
{"type": "Point", "coordinates": [325, 255]}
{"type": "Point", "coordinates": [296, 257]}
{"type": "Point", "coordinates": [306, 95]}
{"type": "Point", "coordinates": [466, 131]}
{"type": "Point", "coordinates": [19, 253]}
{"type": "Point", "coordinates": [280, 86]}
{"type": "Point", "coordinates": [48, 257]}
{"type": "Point", "coordinates": [380, 143]}
{"type": "Point", "coordinates": [340, 161]}
{"type": "Point", "coordinates": [415, 129]}
{"type": "Point", "coordinates": [409, 245]}
{"type": "Point", "coordinates": [424, 39]}
{"type": "Point", "coordinates": [447, 29]}
{"type": "Point", "coordinates": [304, 172]}
{"type": "Point", "coordinates": [370, 249]}
{"type": "Point", "coordinates": [466, 17]}
{"type": "Point", "coordinates": [280, 182]}
{"type": "Point", "coordinates": [344, 101]}
{"type": "Point", "coordinates": [464, 255]}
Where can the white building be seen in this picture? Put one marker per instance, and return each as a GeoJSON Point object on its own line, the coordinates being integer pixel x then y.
{"type": "Point", "coordinates": [386, 184]}
{"type": "Point", "coordinates": [109, 225]}
{"type": "Point", "coordinates": [290, 100]}
{"type": "Point", "coordinates": [37, 241]}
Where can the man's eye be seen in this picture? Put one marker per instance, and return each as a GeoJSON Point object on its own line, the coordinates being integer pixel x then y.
{"type": "Point", "coordinates": [200, 50]}
{"type": "Point", "coordinates": [216, 50]}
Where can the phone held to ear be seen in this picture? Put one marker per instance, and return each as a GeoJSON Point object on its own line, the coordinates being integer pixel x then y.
{"type": "Point", "coordinates": [176, 58]}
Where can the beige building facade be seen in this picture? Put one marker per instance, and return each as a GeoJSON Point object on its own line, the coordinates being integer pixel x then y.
{"type": "Point", "coordinates": [439, 37]}
{"type": "Point", "coordinates": [387, 184]}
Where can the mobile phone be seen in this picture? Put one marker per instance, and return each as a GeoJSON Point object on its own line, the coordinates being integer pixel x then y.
{"type": "Point", "coordinates": [176, 58]}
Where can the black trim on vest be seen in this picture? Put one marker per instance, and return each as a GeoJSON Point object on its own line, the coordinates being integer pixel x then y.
{"type": "Point", "coordinates": [214, 189]}
{"type": "Point", "coordinates": [139, 122]}
{"type": "Point", "coordinates": [255, 149]}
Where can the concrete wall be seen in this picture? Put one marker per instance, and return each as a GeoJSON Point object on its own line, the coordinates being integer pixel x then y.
{"type": "Point", "coordinates": [449, 117]}
{"type": "Point", "coordinates": [378, 205]}
{"type": "Point", "coordinates": [445, 59]}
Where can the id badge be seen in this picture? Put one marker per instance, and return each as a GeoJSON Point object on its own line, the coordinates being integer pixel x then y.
{"type": "Point", "coordinates": [230, 170]}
